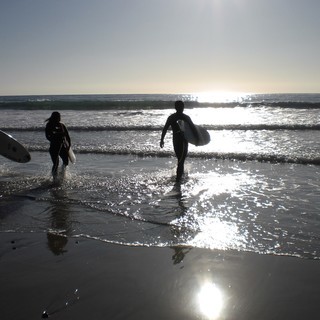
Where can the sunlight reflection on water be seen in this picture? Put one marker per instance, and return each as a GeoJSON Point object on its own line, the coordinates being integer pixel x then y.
{"type": "Point", "coordinates": [219, 227]}
{"type": "Point", "coordinates": [220, 96]}
{"type": "Point", "coordinates": [217, 234]}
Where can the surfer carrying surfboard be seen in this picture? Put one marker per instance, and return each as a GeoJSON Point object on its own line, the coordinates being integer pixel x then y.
{"type": "Point", "coordinates": [60, 142]}
{"type": "Point", "coordinates": [180, 144]}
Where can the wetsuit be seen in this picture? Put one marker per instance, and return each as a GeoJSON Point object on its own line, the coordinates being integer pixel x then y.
{"type": "Point", "coordinates": [180, 144]}
{"type": "Point", "coordinates": [57, 134]}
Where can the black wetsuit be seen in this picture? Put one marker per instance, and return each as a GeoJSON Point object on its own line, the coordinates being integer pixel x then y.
{"type": "Point", "coordinates": [57, 134]}
{"type": "Point", "coordinates": [180, 144]}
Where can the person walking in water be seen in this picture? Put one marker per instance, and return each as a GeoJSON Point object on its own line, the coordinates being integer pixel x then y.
{"type": "Point", "coordinates": [60, 142]}
{"type": "Point", "coordinates": [180, 144]}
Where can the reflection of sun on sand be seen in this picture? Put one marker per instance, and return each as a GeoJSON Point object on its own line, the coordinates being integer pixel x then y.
{"type": "Point", "coordinates": [210, 300]}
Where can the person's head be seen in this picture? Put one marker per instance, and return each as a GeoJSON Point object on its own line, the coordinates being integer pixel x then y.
{"type": "Point", "coordinates": [179, 105]}
{"type": "Point", "coordinates": [55, 117]}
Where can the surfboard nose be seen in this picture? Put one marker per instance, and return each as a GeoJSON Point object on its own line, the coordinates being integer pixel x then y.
{"type": "Point", "coordinates": [27, 158]}
{"type": "Point", "coordinates": [12, 149]}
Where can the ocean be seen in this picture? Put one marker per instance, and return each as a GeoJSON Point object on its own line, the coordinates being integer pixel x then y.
{"type": "Point", "coordinates": [254, 187]}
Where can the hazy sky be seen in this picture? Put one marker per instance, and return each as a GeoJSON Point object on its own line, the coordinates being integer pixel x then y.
{"type": "Point", "coordinates": [159, 46]}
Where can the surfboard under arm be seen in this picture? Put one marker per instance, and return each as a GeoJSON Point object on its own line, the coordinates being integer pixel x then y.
{"type": "Point", "coordinates": [71, 156]}
{"type": "Point", "coordinates": [202, 138]}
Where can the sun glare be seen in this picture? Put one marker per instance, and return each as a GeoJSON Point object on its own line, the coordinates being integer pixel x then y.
{"type": "Point", "coordinates": [220, 96]}
{"type": "Point", "coordinates": [210, 301]}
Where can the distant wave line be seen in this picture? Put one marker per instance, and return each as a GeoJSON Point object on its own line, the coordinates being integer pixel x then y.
{"type": "Point", "coordinates": [92, 105]}
{"type": "Point", "coordinates": [217, 127]}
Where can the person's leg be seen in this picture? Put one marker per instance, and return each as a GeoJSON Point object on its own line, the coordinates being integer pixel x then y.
{"type": "Point", "coordinates": [54, 153]}
{"type": "Point", "coordinates": [181, 150]}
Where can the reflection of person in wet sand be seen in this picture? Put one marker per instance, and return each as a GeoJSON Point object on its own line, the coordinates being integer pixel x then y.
{"type": "Point", "coordinates": [60, 223]}
{"type": "Point", "coordinates": [60, 142]}
{"type": "Point", "coordinates": [180, 144]}
{"type": "Point", "coordinates": [179, 254]}
{"type": "Point", "coordinates": [57, 243]}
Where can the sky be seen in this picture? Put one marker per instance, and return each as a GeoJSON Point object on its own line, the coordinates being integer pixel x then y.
{"type": "Point", "coordinates": [159, 46]}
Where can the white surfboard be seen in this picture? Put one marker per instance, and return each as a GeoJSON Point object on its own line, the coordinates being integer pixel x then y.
{"type": "Point", "coordinates": [203, 135]}
{"type": "Point", "coordinates": [12, 149]}
{"type": "Point", "coordinates": [71, 156]}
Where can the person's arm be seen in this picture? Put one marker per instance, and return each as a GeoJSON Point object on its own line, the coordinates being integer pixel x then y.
{"type": "Point", "coordinates": [164, 131]}
{"type": "Point", "coordinates": [48, 133]}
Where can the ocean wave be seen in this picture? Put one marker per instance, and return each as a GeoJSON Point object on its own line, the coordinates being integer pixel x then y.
{"type": "Point", "coordinates": [240, 127]}
{"type": "Point", "coordinates": [86, 105]}
{"type": "Point", "coordinates": [141, 102]}
{"type": "Point", "coordinates": [288, 104]}
{"type": "Point", "coordinates": [271, 158]}
{"type": "Point", "coordinates": [233, 156]}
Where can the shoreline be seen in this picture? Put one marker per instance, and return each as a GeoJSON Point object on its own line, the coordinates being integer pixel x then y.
{"type": "Point", "coordinates": [92, 279]}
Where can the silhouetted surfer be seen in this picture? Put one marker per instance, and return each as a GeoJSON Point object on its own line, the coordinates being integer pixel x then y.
{"type": "Point", "coordinates": [180, 144]}
{"type": "Point", "coordinates": [60, 142]}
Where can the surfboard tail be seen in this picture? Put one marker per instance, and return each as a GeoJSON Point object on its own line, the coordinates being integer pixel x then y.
{"type": "Point", "coordinates": [71, 156]}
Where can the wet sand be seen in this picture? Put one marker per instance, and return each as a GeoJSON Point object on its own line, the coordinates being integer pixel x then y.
{"type": "Point", "coordinates": [78, 278]}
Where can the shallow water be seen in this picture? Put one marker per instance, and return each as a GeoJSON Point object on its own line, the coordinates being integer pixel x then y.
{"type": "Point", "coordinates": [251, 206]}
{"type": "Point", "coordinates": [238, 133]}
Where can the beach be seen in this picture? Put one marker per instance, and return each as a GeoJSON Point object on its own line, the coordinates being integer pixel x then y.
{"type": "Point", "coordinates": [160, 160]}
{"type": "Point", "coordinates": [96, 280]}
